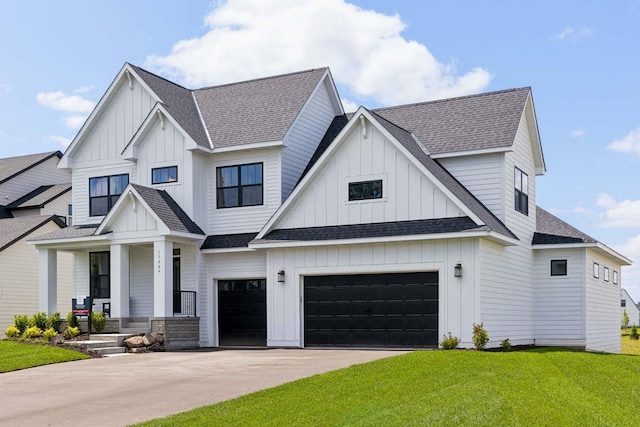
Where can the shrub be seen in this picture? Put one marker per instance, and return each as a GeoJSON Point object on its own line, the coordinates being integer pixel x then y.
{"type": "Point", "coordinates": [72, 320]}
{"type": "Point", "coordinates": [71, 332]}
{"type": "Point", "coordinates": [634, 333]}
{"type": "Point", "coordinates": [449, 342]}
{"type": "Point", "coordinates": [54, 321]}
{"type": "Point", "coordinates": [48, 334]}
{"type": "Point", "coordinates": [480, 336]}
{"type": "Point", "coordinates": [505, 344]}
{"type": "Point", "coordinates": [625, 318]}
{"type": "Point", "coordinates": [31, 333]}
{"type": "Point", "coordinates": [39, 320]}
{"type": "Point", "coordinates": [12, 332]}
{"type": "Point", "coordinates": [21, 321]}
{"type": "Point", "coordinates": [98, 321]}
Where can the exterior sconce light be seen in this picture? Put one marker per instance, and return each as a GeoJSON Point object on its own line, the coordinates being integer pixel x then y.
{"type": "Point", "coordinates": [457, 270]}
{"type": "Point", "coordinates": [281, 276]}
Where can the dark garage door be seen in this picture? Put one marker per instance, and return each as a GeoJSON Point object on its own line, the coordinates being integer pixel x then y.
{"type": "Point", "coordinates": [371, 310]}
{"type": "Point", "coordinates": [242, 308]}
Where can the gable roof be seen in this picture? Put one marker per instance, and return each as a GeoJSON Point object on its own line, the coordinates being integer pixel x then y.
{"type": "Point", "coordinates": [11, 167]}
{"type": "Point", "coordinates": [551, 230]}
{"type": "Point", "coordinates": [40, 196]}
{"type": "Point", "coordinates": [71, 232]}
{"type": "Point", "coordinates": [14, 229]}
{"type": "Point", "coordinates": [252, 111]}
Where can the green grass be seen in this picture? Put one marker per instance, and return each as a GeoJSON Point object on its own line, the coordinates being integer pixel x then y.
{"type": "Point", "coordinates": [627, 345]}
{"type": "Point", "coordinates": [542, 387]}
{"type": "Point", "coordinates": [14, 355]}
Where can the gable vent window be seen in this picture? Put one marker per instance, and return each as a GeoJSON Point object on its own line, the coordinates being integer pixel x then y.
{"type": "Point", "coordinates": [521, 185]}
{"type": "Point", "coordinates": [164, 175]}
{"type": "Point", "coordinates": [558, 267]}
{"type": "Point", "coordinates": [365, 190]}
{"type": "Point", "coordinates": [104, 192]}
{"type": "Point", "coordinates": [239, 185]}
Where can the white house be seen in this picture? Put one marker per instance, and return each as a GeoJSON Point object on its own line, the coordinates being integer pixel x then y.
{"type": "Point", "coordinates": [262, 214]}
{"type": "Point", "coordinates": [627, 303]}
{"type": "Point", "coordinates": [27, 209]}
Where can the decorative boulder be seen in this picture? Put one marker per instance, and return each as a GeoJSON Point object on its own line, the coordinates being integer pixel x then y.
{"type": "Point", "coordinates": [156, 347]}
{"type": "Point", "coordinates": [159, 338]}
{"type": "Point", "coordinates": [134, 342]}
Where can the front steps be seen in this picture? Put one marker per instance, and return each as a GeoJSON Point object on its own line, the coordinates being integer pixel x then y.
{"type": "Point", "coordinates": [105, 344]}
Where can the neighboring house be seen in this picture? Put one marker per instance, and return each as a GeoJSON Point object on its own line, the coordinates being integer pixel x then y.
{"type": "Point", "coordinates": [29, 208]}
{"type": "Point", "coordinates": [627, 303]}
{"type": "Point", "coordinates": [287, 223]}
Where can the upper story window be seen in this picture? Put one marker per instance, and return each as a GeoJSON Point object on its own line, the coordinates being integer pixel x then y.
{"type": "Point", "coordinates": [164, 175]}
{"type": "Point", "coordinates": [521, 185]}
{"type": "Point", "coordinates": [558, 267]}
{"type": "Point", "coordinates": [365, 190]}
{"type": "Point", "coordinates": [104, 191]}
{"type": "Point", "coordinates": [239, 185]}
{"type": "Point", "coordinates": [596, 270]}
{"type": "Point", "coordinates": [606, 274]}
{"type": "Point", "coordinates": [615, 277]}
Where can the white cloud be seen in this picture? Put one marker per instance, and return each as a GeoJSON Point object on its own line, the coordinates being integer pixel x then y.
{"type": "Point", "coordinates": [365, 50]}
{"type": "Point", "coordinates": [628, 144]}
{"type": "Point", "coordinates": [574, 34]}
{"type": "Point", "coordinates": [74, 122]}
{"type": "Point", "coordinates": [83, 89]}
{"type": "Point", "coordinates": [63, 102]}
{"type": "Point", "coordinates": [348, 105]}
{"type": "Point", "coordinates": [624, 214]}
{"type": "Point", "coordinates": [577, 133]}
{"type": "Point", "coordinates": [64, 142]}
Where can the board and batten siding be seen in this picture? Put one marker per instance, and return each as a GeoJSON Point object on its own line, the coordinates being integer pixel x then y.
{"type": "Point", "coordinates": [141, 281]}
{"type": "Point", "coordinates": [407, 194]}
{"type": "Point", "coordinates": [19, 280]}
{"type": "Point", "coordinates": [458, 307]}
{"type": "Point", "coordinates": [560, 300]}
{"type": "Point", "coordinates": [602, 305]}
{"type": "Point", "coordinates": [225, 266]}
{"type": "Point", "coordinates": [304, 136]}
{"type": "Point", "coordinates": [46, 173]}
{"type": "Point", "coordinates": [248, 218]}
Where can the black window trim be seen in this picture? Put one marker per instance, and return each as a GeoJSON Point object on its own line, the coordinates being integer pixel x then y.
{"type": "Point", "coordinates": [164, 182]}
{"type": "Point", "coordinates": [623, 303]}
{"type": "Point", "coordinates": [521, 197]}
{"type": "Point", "coordinates": [108, 196]}
{"type": "Point", "coordinates": [240, 186]}
{"type": "Point", "coordinates": [381, 181]}
{"type": "Point", "coordinates": [558, 261]}
{"type": "Point", "coordinates": [108, 275]}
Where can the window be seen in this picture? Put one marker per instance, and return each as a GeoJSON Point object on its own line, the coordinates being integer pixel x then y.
{"type": "Point", "coordinates": [615, 277]}
{"type": "Point", "coordinates": [558, 267]}
{"type": "Point", "coordinates": [177, 296]}
{"type": "Point", "coordinates": [104, 191]}
{"type": "Point", "coordinates": [606, 274]}
{"type": "Point", "coordinates": [596, 270]}
{"type": "Point", "coordinates": [70, 214]}
{"type": "Point", "coordinates": [365, 190]}
{"type": "Point", "coordinates": [99, 265]}
{"type": "Point", "coordinates": [239, 185]}
{"type": "Point", "coordinates": [521, 185]}
{"type": "Point", "coordinates": [623, 303]}
{"type": "Point", "coordinates": [164, 175]}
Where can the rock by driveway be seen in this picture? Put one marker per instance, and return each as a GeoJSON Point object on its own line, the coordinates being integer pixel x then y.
{"type": "Point", "coordinates": [122, 390]}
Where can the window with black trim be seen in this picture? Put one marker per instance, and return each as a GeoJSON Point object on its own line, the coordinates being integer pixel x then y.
{"type": "Point", "coordinates": [365, 190]}
{"type": "Point", "coordinates": [99, 279]}
{"type": "Point", "coordinates": [104, 191]}
{"type": "Point", "coordinates": [558, 267]}
{"type": "Point", "coordinates": [164, 175]}
{"type": "Point", "coordinates": [615, 277]}
{"type": "Point", "coordinates": [623, 303]}
{"type": "Point", "coordinates": [521, 186]}
{"type": "Point", "coordinates": [606, 274]}
{"type": "Point", "coordinates": [239, 185]}
{"type": "Point", "coordinates": [596, 270]}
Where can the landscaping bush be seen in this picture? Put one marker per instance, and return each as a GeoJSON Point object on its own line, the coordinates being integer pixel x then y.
{"type": "Point", "coordinates": [72, 321]}
{"type": "Point", "coordinates": [48, 334]}
{"type": "Point", "coordinates": [31, 333]}
{"type": "Point", "coordinates": [505, 344]}
{"type": "Point", "coordinates": [12, 332]}
{"type": "Point", "coordinates": [54, 321]}
{"type": "Point", "coordinates": [625, 318]}
{"type": "Point", "coordinates": [634, 333]}
{"type": "Point", "coordinates": [71, 332]}
{"type": "Point", "coordinates": [98, 321]}
{"type": "Point", "coordinates": [21, 321]}
{"type": "Point", "coordinates": [449, 342]}
{"type": "Point", "coordinates": [39, 320]}
{"type": "Point", "coordinates": [480, 336]}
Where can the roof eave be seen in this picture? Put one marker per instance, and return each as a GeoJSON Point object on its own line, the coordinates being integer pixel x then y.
{"type": "Point", "coordinates": [604, 249]}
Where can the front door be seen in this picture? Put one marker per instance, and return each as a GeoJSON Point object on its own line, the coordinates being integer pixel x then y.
{"type": "Point", "coordinates": [242, 308]}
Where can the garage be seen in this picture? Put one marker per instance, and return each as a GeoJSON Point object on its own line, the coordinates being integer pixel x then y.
{"type": "Point", "coordinates": [242, 312]}
{"type": "Point", "coordinates": [371, 310]}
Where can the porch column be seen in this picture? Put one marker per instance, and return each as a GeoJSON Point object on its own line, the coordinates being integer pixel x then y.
{"type": "Point", "coordinates": [48, 280]}
{"type": "Point", "coordinates": [163, 279]}
{"type": "Point", "coordinates": [119, 281]}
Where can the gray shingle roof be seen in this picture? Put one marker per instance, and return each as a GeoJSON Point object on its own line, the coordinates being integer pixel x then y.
{"type": "Point", "coordinates": [259, 110]}
{"type": "Point", "coordinates": [226, 241]}
{"type": "Point", "coordinates": [71, 232]}
{"type": "Point", "coordinates": [179, 103]}
{"type": "Point", "coordinates": [338, 123]}
{"type": "Point", "coordinates": [14, 229]}
{"type": "Point", "coordinates": [488, 120]}
{"type": "Point", "coordinates": [382, 229]}
{"type": "Point", "coordinates": [12, 166]}
{"type": "Point", "coordinates": [169, 212]}
{"type": "Point", "coordinates": [551, 230]}
{"type": "Point", "coordinates": [40, 196]}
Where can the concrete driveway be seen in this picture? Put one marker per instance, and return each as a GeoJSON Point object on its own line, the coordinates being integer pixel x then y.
{"type": "Point", "coordinates": [127, 389]}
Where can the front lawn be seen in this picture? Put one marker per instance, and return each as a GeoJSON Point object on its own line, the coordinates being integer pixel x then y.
{"type": "Point", "coordinates": [14, 355]}
{"type": "Point", "coordinates": [627, 345]}
{"type": "Point", "coordinates": [542, 387]}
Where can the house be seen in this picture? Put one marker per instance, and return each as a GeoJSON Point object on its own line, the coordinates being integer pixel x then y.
{"type": "Point", "coordinates": [29, 208]}
{"type": "Point", "coordinates": [627, 303]}
{"type": "Point", "coordinates": [259, 213]}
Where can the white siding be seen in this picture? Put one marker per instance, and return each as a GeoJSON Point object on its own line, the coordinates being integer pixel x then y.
{"type": "Point", "coordinates": [407, 193]}
{"type": "Point", "coordinates": [141, 281]}
{"type": "Point", "coordinates": [304, 136]}
{"type": "Point", "coordinates": [250, 218]}
{"type": "Point", "coordinates": [632, 309]}
{"type": "Point", "coordinates": [81, 273]}
{"type": "Point", "coordinates": [19, 284]}
{"type": "Point", "coordinates": [46, 173]}
{"type": "Point", "coordinates": [602, 306]}
{"type": "Point", "coordinates": [132, 222]}
{"type": "Point", "coordinates": [560, 300]}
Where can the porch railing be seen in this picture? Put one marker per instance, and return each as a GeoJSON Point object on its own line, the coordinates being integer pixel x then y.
{"type": "Point", "coordinates": [184, 303]}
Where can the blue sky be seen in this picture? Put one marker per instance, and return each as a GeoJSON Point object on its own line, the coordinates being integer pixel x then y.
{"type": "Point", "coordinates": [581, 59]}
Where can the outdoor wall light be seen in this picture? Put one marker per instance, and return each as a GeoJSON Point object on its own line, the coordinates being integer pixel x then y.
{"type": "Point", "coordinates": [281, 276]}
{"type": "Point", "coordinates": [457, 270]}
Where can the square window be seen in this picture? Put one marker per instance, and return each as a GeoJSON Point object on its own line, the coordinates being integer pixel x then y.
{"type": "Point", "coordinates": [365, 190]}
{"type": "Point", "coordinates": [606, 274]}
{"type": "Point", "coordinates": [596, 270]}
{"type": "Point", "coordinates": [239, 185]}
{"type": "Point", "coordinates": [104, 192]}
{"type": "Point", "coordinates": [521, 191]}
{"type": "Point", "coordinates": [623, 303]}
{"type": "Point", "coordinates": [164, 175]}
{"type": "Point", "coordinates": [558, 267]}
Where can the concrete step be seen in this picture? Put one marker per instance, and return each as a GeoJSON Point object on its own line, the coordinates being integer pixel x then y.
{"type": "Point", "coordinates": [93, 344]}
{"type": "Point", "coordinates": [107, 351]}
{"type": "Point", "coordinates": [116, 338]}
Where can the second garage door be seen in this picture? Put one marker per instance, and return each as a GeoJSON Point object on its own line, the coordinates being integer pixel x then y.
{"type": "Point", "coordinates": [371, 310]}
